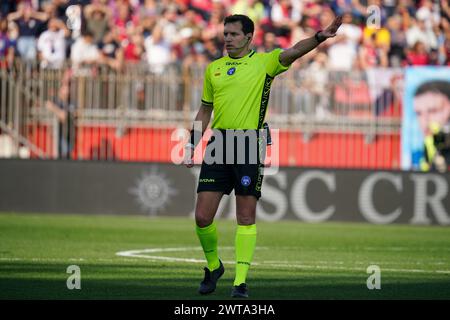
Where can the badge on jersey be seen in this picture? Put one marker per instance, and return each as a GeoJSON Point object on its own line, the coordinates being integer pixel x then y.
{"type": "Point", "coordinates": [231, 71]}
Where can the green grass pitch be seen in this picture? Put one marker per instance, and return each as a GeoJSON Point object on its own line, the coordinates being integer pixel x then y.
{"type": "Point", "coordinates": [293, 260]}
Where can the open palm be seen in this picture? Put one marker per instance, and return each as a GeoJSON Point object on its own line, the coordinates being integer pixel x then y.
{"type": "Point", "coordinates": [331, 30]}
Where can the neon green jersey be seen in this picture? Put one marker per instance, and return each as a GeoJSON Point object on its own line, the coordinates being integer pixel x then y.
{"type": "Point", "coordinates": [239, 89]}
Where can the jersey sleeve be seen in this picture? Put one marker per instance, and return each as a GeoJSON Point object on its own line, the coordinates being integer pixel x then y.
{"type": "Point", "coordinates": [208, 94]}
{"type": "Point", "coordinates": [273, 65]}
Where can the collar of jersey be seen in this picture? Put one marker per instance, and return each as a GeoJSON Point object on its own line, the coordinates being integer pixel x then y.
{"type": "Point", "coordinates": [248, 54]}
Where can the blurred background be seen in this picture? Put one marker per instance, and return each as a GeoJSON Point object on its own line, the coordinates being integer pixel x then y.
{"type": "Point", "coordinates": [111, 80]}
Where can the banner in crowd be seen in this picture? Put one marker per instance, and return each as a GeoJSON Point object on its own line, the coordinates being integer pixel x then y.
{"type": "Point", "coordinates": [309, 195]}
{"type": "Point", "coordinates": [423, 108]}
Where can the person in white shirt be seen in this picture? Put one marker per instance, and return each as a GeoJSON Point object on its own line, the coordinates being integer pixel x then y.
{"type": "Point", "coordinates": [420, 32]}
{"type": "Point", "coordinates": [84, 53]}
{"type": "Point", "coordinates": [344, 48]}
{"type": "Point", "coordinates": [158, 51]}
{"type": "Point", "coordinates": [52, 45]}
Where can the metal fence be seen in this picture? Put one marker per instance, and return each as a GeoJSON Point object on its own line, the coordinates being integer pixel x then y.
{"type": "Point", "coordinates": [327, 119]}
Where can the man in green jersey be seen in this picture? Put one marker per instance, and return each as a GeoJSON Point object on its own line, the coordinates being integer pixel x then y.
{"type": "Point", "coordinates": [236, 87]}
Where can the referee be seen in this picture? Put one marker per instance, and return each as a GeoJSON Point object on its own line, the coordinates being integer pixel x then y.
{"type": "Point", "coordinates": [236, 87]}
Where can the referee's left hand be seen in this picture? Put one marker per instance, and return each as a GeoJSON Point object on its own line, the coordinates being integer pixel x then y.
{"type": "Point", "coordinates": [331, 30]}
{"type": "Point", "coordinates": [189, 156]}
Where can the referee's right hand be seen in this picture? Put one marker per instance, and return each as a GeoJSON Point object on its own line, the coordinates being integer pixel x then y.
{"type": "Point", "coordinates": [189, 155]}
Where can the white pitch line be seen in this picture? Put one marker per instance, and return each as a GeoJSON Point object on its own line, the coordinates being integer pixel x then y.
{"type": "Point", "coordinates": [273, 264]}
{"type": "Point", "coordinates": [129, 256]}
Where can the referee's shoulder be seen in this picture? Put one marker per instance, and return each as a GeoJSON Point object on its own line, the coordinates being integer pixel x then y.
{"type": "Point", "coordinates": [219, 60]}
{"type": "Point", "coordinates": [263, 54]}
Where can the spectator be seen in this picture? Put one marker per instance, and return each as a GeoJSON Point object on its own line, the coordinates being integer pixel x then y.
{"type": "Point", "coordinates": [52, 45]}
{"type": "Point", "coordinates": [202, 7]}
{"type": "Point", "coordinates": [303, 30]}
{"type": "Point", "coordinates": [185, 45]}
{"type": "Point", "coordinates": [158, 51]}
{"type": "Point", "coordinates": [133, 48]}
{"type": "Point", "coordinates": [313, 9]}
{"type": "Point", "coordinates": [111, 52]}
{"type": "Point", "coordinates": [7, 6]}
{"type": "Point", "coordinates": [254, 9]}
{"type": "Point", "coordinates": [84, 54]}
{"type": "Point", "coordinates": [7, 46]}
{"type": "Point", "coordinates": [397, 52]}
{"type": "Point", "coordinates": [192, 21]}
{"type": "Point", "coordinates": [123, 19]}
{"type": "Point", "coordinates": [418, 55]}
{"type": "Point", "coordinates": [270, 43]}
{"type": "Point", "coordinates": [150, 8]}
{"type": "Point", "coordinates": [212, 51]}
{"type": "Point", "coordinates": [192, 51]}
{"type": "Point", "coordinates": [446, 47]}
{"type": "Point", "coordinates": [285, 15]}
{"type": "Point", "coordinates": [65, 112]}
{"type": "Point", "coordinates": [445, 10]}
{"type": "Point", "coordinates": [310, 88]}
{"type": "Point", "coordinates": [441, 34]}
{"type": "Point", "coordinates": [428, 13]}
{"type": "Point", "coordinates": [214, 27]}
{"type": "Point", "coordinates": [326, 17]}
{"type": "Point", "coordinates": [352, 6]}
{"type": "Point", "coordinates": [49, 8]}
{"type": "Point", "coordinates": [372, 55]}
{"type": "Point", "coordinates": [419, 32]}
{"type": "Point", "coordinates": [381, 36]}
{"type": "Point", "coordinates": [169, 25]}
{"type": "Point", "coordinates": [344, 47]}
{"type": "Point", "coordinates": [97, 20]}
{"type": "Point", "coordinates": [30, 24]}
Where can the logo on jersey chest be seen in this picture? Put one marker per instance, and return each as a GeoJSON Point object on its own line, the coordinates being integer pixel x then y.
{"type": "Point", "coordinates": [231, 71]}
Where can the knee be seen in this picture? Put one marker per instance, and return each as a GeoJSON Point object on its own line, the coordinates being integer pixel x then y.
{"type": "Point", "coordinates": [202, 219]}
{"type": "Point", "coordinates": [245, 219]}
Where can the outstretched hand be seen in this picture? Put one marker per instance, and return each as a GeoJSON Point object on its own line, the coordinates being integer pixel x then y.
{"type": "Point", "coordinates": [331, 30]}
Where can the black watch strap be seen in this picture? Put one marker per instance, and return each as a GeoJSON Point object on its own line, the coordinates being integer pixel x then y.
{"type": "Point", "coordinates": [319, 38]}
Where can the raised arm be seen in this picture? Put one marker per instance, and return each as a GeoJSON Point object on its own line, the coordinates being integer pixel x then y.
{"type": "Point", "coordinates": [306, 45]}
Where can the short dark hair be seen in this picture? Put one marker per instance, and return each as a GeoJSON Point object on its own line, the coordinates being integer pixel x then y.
{"type": "Point", "coordinates": [247, 24]}
{"type": "Point", "coordinates": [437, 86]}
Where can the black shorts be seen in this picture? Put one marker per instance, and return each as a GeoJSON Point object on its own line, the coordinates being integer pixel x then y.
{"type": "Point", "coordinates": [244, 176]}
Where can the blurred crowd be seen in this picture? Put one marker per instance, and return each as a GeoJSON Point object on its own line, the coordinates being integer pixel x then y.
{"type": "Point", "coordinates": [159, 33]}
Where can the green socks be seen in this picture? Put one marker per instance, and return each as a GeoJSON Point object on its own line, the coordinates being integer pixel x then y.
{"type": "Point", "coordinates": [245, 246]}
{"type": "Point", "coordinates": [208, 240]}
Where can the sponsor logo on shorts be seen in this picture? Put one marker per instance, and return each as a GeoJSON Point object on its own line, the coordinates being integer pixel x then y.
{"type": "Point", "coordinates": [207, 180]}
{"type": "Point", "coordinates": [245, 181]}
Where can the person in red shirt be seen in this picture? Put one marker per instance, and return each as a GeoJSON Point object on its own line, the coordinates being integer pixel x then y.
{"type": "Point", "coordinates": [418, 55]}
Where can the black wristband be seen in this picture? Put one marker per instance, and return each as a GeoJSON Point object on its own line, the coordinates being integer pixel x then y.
{"type": "Point", "coordinates": [196, 136]}
{"type": "Point", "coordinates": [318, 38]}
